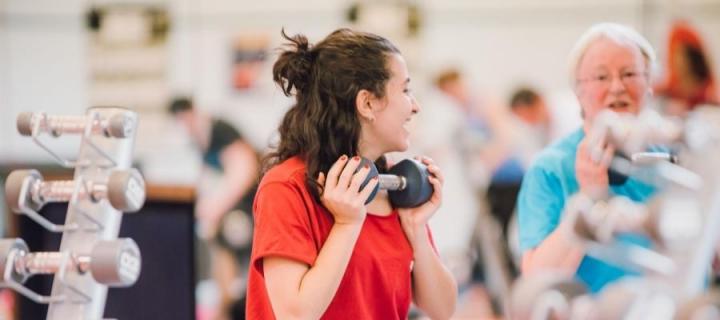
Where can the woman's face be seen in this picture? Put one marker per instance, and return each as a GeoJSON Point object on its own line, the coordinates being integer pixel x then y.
{"type": "Point", "coordinates": [611, 75]}
{"type": "Point", "coordinates": [389, 131]}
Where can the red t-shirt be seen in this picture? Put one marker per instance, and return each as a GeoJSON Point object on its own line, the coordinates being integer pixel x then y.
{"type": "Point", "coordinates": [290, 223]}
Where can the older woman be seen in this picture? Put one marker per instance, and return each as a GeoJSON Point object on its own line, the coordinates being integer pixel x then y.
{"type": "Point", "coordinates": [609, 69]}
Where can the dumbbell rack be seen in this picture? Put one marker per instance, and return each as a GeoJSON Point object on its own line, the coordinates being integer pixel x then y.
{"type": "Point", "coordinates": [682, 220]}
{"type": "Point", "coordinates": [92, 223]}
{"type": "Point", "coordinates": [695, 202]}
{"type": "Point", "coordinates": [685, 215]}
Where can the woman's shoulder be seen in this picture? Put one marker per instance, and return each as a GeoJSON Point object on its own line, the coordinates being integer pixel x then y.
{"type": "Point", "coordinates": [290, 171]}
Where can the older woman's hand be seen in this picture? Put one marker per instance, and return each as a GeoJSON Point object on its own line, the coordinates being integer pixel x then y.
{"type": "Point", "coordinates": [591, 168]}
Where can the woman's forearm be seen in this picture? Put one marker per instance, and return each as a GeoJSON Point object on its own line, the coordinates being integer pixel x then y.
{"type": "Point", "coordinates": [435, 289]}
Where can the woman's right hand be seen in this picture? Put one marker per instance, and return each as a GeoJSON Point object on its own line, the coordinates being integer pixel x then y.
{"type": "Point", "coordinates": [341, 190]}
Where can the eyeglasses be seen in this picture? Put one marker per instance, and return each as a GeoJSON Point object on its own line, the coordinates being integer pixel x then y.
{"type": "Point", "coordinates": [604, 79]}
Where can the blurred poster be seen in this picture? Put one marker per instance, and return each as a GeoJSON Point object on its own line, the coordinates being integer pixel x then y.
{"type": "Point", "coordinates": [250, 51]}
{"type": "Point", "coordinates": [127, 54]}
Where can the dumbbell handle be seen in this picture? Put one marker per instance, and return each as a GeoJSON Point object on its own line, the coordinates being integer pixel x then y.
{"type": "Point", "coordinates": [62, 191]}
{"type": "Point", "coordinates": [49, 263]}
{"type": "Point", "coordinates": [119, 125]}
{"type": "Point", "coordinates": [56, 125]}
{"type": "Point", "coordinates": [392, 182]}
{"type": "Point", "coordinates": [653, 157]}
{"type": "Point", "coordinates": [69, 124]}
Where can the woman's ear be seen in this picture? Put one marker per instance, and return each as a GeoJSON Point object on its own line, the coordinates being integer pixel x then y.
{"type": "Point", "coordinates": [363, 103]}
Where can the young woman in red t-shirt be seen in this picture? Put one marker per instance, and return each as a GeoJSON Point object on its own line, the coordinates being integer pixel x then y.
{"type": "Point", "coordinates": [318, 251]}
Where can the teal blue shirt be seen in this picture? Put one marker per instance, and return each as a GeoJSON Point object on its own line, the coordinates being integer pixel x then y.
{"type": "Point", "coordinates": [547, 184]}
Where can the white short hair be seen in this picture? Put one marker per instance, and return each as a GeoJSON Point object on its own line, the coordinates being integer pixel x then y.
{"type": "Point", "coordinates": [616, 32]}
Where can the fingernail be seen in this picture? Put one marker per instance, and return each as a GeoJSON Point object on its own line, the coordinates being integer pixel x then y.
{"type": "Point", "coordinates": [375, 177]}
{"type": "Point", "coordinates": [343, 157]}
{"type": "Point", "coordinates": [366, 166]}
{"type": "Point", "coordinates": [356, 158]}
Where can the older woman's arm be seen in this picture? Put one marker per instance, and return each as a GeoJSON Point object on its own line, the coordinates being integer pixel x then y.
{"type": "Point", "coordinates": [557, 253]}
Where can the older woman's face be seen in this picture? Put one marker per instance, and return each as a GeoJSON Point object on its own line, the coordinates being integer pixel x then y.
{"type": "Point", "coordinates": [611, 75]}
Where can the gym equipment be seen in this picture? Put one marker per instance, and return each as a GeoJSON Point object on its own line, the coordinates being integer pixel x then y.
{"type": "Point", "coordinates": [682, 220]}
{"type": "Point", "coordinates": [102, 187]}
{"type": "Point", "coordinates": [407, 183]}
{"type": "Point", "coordinates": [635, 299]}
{"type": "Point", "coordinates": [632, 134]}
{"type": "Point", "coordinates": [550, 296]}
{"type": "Point", "coordinates": [26, 192]}
{"type": "Point", "coordinates": [236, 229]}
{"type": "Point", "coordinates": [638, 159]}
{"type": "Point", "coordinates": [670, 221]}
{"type": "Point", "coordinates": [703, 307]}
{"type": "Point", "coordinates": [119, 125]}
{"type": "Point", "coordinates": [114, 263]}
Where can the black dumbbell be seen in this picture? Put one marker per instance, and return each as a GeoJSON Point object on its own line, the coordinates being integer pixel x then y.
{"type": "Point", "coordinates": [407, 183]}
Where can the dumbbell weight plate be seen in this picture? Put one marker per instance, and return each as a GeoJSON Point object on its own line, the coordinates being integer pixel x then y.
{"type": "Point", "coordinates": [126, 190]}
{"type": "Point", "coordinates": [530, 293]}
{"type": "Point", "coordinates": [24, 123]}
{"type": "Point", "coordinates": [373, 173]}
{"type": "Point", "coordinates": [120, 125]}
{"type": "Point", "coordinates": [8, 247]}
{"type": "Point", "coordinates": [13, 189]}
{"type": "Point", "coordinates": [116, 263]}
{"type": "Point", "coordinates": [418, 189]}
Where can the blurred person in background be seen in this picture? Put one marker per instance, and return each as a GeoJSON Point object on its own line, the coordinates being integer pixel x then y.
{"type": "Point", "coordinates": [486, 131]}
{"type": "Point", "coordinates": [531, 125]}
{"type": "Point", "coordinates": [532, 118]}
{"type": "Point", "coordinates": [224, 213]}
{"type": "Point", "coordinates": [438, 131]}
{"type": "Point", "coordinates": [610, 68]}
{"type": "Point", "coordinates": [473, 135]}
{"type": "Point", "coordinates": [490, 140]}
{"type": "Point", "coordinates": [689, 79]}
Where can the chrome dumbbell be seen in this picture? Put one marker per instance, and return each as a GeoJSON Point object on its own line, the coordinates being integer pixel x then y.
{"type": "Point", "coordinates": [124, 189]}
{"type": "Point", "coordinates": [118, 125]}
{"type": "Point", "coordinates": [601, 220]}
{"type": "Point", "coordinates": [673, 221]}
{"type": "Point", "coordinates": [631, 135]}
{"type": "Point", "coordinates": [703, 307]}
{"type": "Point", "coordinates": [635, 299]}
{"type": "Point", "coordinates": [114, 263]}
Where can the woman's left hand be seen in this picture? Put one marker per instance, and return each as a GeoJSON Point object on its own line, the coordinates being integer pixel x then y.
{"type": "Point", "coordinates": [414, 220]}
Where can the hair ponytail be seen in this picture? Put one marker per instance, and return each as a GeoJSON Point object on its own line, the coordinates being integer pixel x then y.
{"type": "Point", "coordinates": [294, 66]}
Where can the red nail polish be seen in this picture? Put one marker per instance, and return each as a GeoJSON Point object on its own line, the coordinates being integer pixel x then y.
{"type": "Point", "coordinates": [343, 157]}
{"type": "Point", "coordinates": [356, 158]}
{"type": "Point", "coordinates": [366, 166]}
